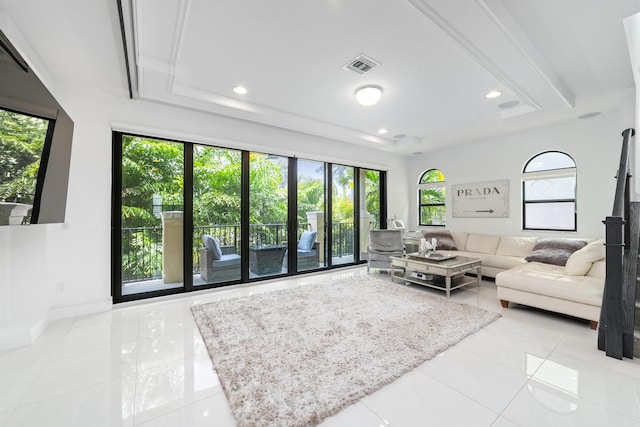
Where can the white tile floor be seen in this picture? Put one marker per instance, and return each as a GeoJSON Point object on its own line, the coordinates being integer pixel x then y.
{"type": "Point", "coordinates": [146, 364]}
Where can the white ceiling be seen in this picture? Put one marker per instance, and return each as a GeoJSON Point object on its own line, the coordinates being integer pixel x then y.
{"type": "Point", "coordinates": [438, 58]}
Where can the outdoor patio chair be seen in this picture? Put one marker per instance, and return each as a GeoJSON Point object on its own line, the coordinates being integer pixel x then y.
{"type": "Point", "coordinates": [218, 263]}
{"type": "Point", "coordinates": [307, 251]}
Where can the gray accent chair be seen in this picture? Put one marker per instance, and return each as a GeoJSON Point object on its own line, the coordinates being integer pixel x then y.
{"type": "Point", "coordinates": [383, 244]}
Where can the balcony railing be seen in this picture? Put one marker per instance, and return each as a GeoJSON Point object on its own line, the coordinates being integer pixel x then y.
{"type": "Point", "coordinates": [142, 246]}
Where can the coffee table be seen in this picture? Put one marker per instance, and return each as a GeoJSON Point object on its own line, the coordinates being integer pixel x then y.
{"type": "Point", "coordinates": [443, 274]}
{"type": "Point", "coordinates": [266, 259]}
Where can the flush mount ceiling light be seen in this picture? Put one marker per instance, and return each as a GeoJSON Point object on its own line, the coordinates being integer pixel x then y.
{"type": "Point", "coordinates": [240, 90]}
{"type": "Point", "coordinates": [368, 95]}
{"type": "Point", "coordinates": [493, 94]}
{"type": "Point", "coordinates": [382, 131]}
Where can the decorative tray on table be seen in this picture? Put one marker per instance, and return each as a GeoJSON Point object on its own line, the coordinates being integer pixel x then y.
{"type": "Point", "coordinates": [432, 256]}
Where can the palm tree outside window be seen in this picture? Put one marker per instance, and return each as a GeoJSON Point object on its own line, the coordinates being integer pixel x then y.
{"type": "Point", "coordinates": [431, 198]}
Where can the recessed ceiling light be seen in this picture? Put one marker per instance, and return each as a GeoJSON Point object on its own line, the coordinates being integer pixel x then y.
{"type": "Point", "coordinates": [368, 95]}
{"type": "Point", "coordinates": [493, 94]}
{"type": "Point", "coordinates": [399, 136]}
{"type": "Point", "coordinates": [240, 90]}
{"type": "Point", "coordinates": [589, 115]}
{"type": "Point", "coordinates": [382, 131]}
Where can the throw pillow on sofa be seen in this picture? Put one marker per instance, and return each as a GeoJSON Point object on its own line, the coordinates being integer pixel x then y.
{"type": "Point", "coordinates": [554, 251]}
{"type": "Point", "coordinates": [443, 237]}
{"type": "Point", "coordinates": [580, 262]}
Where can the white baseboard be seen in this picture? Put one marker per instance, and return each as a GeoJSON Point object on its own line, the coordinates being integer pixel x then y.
{"type": "Point", "coordinates": [79, 309]}
{"type": "Point", "coordinates": [19, 337]}
{"type": "Point", "coordinates": [26, 334]}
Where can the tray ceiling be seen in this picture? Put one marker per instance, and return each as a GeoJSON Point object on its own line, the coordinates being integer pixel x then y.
{"type": "Point", "coordinates": [552, 61]}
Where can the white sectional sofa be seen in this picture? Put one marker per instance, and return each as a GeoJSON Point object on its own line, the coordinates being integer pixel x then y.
{"type": "Point", "coordinates": [574, 289]}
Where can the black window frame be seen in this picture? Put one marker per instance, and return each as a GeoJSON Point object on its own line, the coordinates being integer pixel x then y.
{"type": "Point", "coordinates": [549, 174]}
{"type": "Point", "coordinates": [44, 159]}
{"type": "Point", "coordinates": [427, 185]}
{"type": "Point", "coordinates": [116, 220]}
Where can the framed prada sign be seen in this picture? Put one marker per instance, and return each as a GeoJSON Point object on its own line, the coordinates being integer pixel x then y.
{"type": "Point", "coordinates": [489, 199]}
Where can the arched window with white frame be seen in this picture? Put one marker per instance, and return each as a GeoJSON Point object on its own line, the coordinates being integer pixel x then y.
{"type": "Point", "coordinates": [549, 192]}
{"type": "Point", "coordinates": [431, 197]}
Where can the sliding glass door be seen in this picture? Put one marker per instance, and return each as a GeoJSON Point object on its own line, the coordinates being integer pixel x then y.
{"type": "Point", "coordinates": [268, 214]}
{"type": "Point", "coordinates": [217, 195]}
{"type": "Point", "coordinates": [342, 215]}
{"type": "Point", "coordinates": [151, 215]}
{"type": "Point", "coordinates": [311, 236]}
{"type": "Point", "coordinates": [188, 216]}
{"type": "Point", "coordinates": [369, 202]}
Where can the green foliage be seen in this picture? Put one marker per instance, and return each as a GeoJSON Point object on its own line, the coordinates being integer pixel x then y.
{"type": "Point", "coordinates": [150, 167]}
{"type": "Point", "coordinates": [372, 196]}
{"type": "Point", "coordinates": [432, 198]}
{"type": "Point", "coordinates": [310, 197]}
{"type": "Point", "coordinates": [432, 210]}
{"type": "Point", "coordinates": [267, 189]}
{"type": "Point", "coordinates": [155, 169]}
{"type": "Point", "coordinates": [343, 183]}
{"type": "Point", "coordinates": [216, 186]}
{"type": "Point", "coordinates": [22, 140]}
{"type": "Point", "coordinates": [431, 176]}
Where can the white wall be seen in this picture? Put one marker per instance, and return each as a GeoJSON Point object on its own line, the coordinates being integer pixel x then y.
{"type": "Point", "coordinates": [593, 143]}
{"type": "Point", "coordinates": [50, 271]}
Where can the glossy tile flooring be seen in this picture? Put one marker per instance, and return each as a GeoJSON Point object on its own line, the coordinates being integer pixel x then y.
{"type": "Point", "coordinates": [146, 364]}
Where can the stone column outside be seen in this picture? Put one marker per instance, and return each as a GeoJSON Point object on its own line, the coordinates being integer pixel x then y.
{"type": "Point", "coordinates": [172, 244]}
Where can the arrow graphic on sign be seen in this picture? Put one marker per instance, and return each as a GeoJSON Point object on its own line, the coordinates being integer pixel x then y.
{"type": "Point", "coordinates": [489, 211]}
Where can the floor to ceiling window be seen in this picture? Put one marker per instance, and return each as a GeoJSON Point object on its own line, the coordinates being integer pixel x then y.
{"type": "Point", "coordinates": [188, 216]}
{"type": "Point", "coordinates": [342, 215]}
{"type": "Point", "coordinates": [217, 190]}
{"type": "Point", "coordinates": [151, 215]}
{"type": "Point", "coordinates": [369, 204]}
{"type": "Point", "coordinates": [268, 214]}
{"type": "Point", "coordinates": [311, 241]}
{"type": "Point", "coordinates": [24, 143]}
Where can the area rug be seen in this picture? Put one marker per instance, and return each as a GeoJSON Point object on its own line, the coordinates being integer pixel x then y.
{"type": "Point", "coordinates": [296, 356]}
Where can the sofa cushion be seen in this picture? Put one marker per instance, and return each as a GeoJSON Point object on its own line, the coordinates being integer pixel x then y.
{"type": "Point", "coordinates": [554, 251]}
{"type": "Point", "coordinates": [580, 262]}
{"type": "Point", "coordinates": [212, 244]}
{"type": "Point", "coordinates": [502, 261]}
{"type": "Point", "coordinates": [307, 240]}
{"type": "Point", "coordinates": [460, 239]}
{"type": "Point", "coordinates": [227, 261]}
{"type": "Point", "coordinates": [551, 280]}
{"type": "Point", "coordinates": [516, 246]}
{"type": "Point", "coordinates": [482, 243]}
{"type": "Point", "coordinates": [444, 239]}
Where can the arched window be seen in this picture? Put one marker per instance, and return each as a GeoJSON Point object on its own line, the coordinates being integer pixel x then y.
{"type": "Point", "coordinates": [431, 193]}
{"type": "Point", "coordinates": [549, 192]}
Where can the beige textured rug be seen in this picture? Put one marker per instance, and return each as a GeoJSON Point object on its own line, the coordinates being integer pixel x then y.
{"type": "Point", "coordinates": [296, 356]}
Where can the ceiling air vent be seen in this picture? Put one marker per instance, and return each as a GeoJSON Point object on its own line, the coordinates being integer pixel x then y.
{"type": "Point", "coordinates": [361, 64]}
